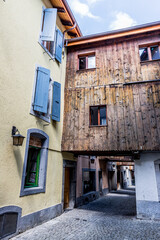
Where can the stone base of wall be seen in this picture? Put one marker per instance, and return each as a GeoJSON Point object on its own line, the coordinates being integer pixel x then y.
{"type": "Point", "coordinates": [31, 220]}
{"type": "Point", "coordinates": [36, 218]}
{"type": "Point", "coordinates": [86, 198]}
{"type": "Point", "coordinates": [105, 191]}
{"type": "Point", "coordinates": [148, 210]}
{"type": "Point", "coordinates": [91, 196]}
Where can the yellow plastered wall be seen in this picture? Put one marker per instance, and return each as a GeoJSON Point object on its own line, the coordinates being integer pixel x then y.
{"type": "Point", "coordinates": [19, 53]}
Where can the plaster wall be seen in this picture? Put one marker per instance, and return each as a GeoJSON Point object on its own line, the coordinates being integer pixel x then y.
{"type": "Point", "coordinates": [146, 185]}
{"type": "Point", "coordinates": [20, 52]}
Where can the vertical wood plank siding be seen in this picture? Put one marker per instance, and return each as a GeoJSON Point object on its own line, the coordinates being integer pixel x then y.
{"type": "Point", "coordinates": [133, 110]}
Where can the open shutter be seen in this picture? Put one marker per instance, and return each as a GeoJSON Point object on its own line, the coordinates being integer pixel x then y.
{"type": "Point", "coordinates": [42, 89]}
{"type": "Point", "coordinates": [49, 24]}
{"type": "Point", "coordinates": [56, 101]}
{"type": "Point", "coordinates": [59, 43]}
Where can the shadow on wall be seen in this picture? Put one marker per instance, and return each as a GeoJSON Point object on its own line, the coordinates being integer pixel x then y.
{"type": "Point", "coordinates": [19, 160]}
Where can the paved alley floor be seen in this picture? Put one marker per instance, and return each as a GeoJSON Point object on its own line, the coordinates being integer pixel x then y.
{"type": "Point", "coordinates": [111, 217]}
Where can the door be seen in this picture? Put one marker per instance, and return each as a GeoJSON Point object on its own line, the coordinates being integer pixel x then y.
{"type": "Point", "coordinates": [66, 188]}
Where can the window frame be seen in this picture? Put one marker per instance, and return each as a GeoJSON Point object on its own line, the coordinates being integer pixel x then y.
{"type": "Point", "coordinates": [42, 167]}
{"type": "Point", "coordinates": [27, 184]}
{"type": "Point", "coordinates": [52, 56]}
{"type": "Point", "coordinates": [99, 106]}
{"type": "Point", "coordinates": [88, 170]}
{"type": "Point", "coordinates": [45, 117]}
{"type": "Point", "coordinates": [148, 46]}
{"type": "Point", "coordinates": [86, 55]}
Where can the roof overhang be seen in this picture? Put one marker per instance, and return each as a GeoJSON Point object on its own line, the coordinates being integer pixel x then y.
{"type": "Point", "coordinates": [140, 29]}
{"type": "Point", "coordinates": [67, 17]}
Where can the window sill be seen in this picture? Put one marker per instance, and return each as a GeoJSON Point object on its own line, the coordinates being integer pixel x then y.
{"type": "Point", "coordinates": [149, 61]}
{"type": "Point", "coordinates": [86, 69]}
{"type": "Point", "coordinates": [31, 191]}
{"type": "Point", "coordinates": [46, 119]}
{"type": "Point", "coordinates": [46, 50]}
{"type": "Point", "coordinates": [97, 126]}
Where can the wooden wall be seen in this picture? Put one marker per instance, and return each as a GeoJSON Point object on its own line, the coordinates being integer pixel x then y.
{"type": "Point", "coordinates": [133, 110]}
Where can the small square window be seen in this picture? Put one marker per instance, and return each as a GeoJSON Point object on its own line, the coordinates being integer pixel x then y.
{"type": "Point", "coordinates": [87, 62]}
{"type": "Point", "coordinates": [155, 52]}
{"type": "Point", "coordinates": [82, 63]}
{"type": "Point", "coordinates": [143, 52]}
{"type": "Point", "coordinates": [91, 61]}
{"type": "Point", "coordinates": [98, 116]}
{"type": "Point", "coordinates": [149, 53]}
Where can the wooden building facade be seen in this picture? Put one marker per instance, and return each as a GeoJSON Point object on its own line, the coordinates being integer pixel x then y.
{"type": "Point", "coordinates": [112, 92]}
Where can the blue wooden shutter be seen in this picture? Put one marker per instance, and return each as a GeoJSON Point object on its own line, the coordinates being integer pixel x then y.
{"type": "Point", "coordinates": [59, 43]}
{"type": "Point", "coordinates": [56, 101]}
{"type": "Point", "coordinates": [42, 89]}
{"type": "Point", "coordinates": [49, 24]}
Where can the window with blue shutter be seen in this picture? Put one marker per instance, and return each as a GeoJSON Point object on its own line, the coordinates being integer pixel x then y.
{"type": "Point", "coordinates": [42, 90]}
{"type": "Point", "coordinates": [59, 45]}
{"type": "Point", "coordinates": [56, 101]}
{"type": "Point", "coordinates": [48, 24]}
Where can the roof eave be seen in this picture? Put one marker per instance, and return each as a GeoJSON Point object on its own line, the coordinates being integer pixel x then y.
{"type": "Point", "coordinates": [114, 34]}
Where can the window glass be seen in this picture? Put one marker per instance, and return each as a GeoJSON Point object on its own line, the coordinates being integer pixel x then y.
{"type": "Point", "coordinates": [82, 63]}
{"type": "Point", "coordinates": [91, 61]}
{"type": "Point", "coordinates": [155, 53]}
{"type": "Point", "coordinates": [94, 115]}
{"type": "Point", "coordinates": [143, 54]}
{"type": "Point", "coordinates": [103, 116]}
{"type": "Point", "coordinates": [32, 167]}
{"type": "Point", "coordinates": [89, 183]}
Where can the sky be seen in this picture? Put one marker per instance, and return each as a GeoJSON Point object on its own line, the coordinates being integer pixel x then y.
{"type": "Point", "coordinates": [96, 16]}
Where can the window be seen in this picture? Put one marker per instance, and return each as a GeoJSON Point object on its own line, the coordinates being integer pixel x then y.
{"type": "Point", "coordinates": [149, 53]}
{"type": "Point", "coordinates": [35, 162]}
{"type": "Point", "coordinates": [32, 171]}
{"type": "Point", "coordinates": [42, 96]}
{"type": "Point", "coordinates": [8, 224]}
{"type": "Point", "coordinates": [98, 116]}
{"type": "Point", "coordinates": [51, 38]}
{"type": "Point", "coordinates": [87, 62]}
{"type": "Point", "coordinates": [89, 180]}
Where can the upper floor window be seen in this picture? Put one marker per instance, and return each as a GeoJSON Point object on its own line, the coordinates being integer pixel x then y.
{"type": "Point", "coordinates": [42, 96]}
{"type": "Point", "coordinates": [87, 62]}
{"type": "Point", "coordinates": [51, 38]}
{"type": "Point", "coordinates": [98, 116]}
{"type": "Point", "coordinates": [149, 53]}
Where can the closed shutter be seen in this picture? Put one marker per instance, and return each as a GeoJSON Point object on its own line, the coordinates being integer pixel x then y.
{"type": "Point", "coordinates": [56, 101]}
{"type": "Point", "coordinates": [42, 89]}
{"type": "Point", "coordinates": [59, 45]}
{"type": "Point", "coordinates": [49, 24]}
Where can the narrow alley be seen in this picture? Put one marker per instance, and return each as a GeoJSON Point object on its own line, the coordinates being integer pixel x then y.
{"type": "Point", "coordinates": [110, 217]}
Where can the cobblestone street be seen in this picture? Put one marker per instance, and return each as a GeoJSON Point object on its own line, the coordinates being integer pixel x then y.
{"type": "Point", "coordinates": [111, 217]}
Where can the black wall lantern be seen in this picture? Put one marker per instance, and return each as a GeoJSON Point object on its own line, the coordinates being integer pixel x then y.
{"type": "Point", "coordinates": [92, 159]}
{"type": "Point", "coordinates": [17, 137]}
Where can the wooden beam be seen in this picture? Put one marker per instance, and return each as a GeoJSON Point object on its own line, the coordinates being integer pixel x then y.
{"type": "Point", "coordinates": [66, 23]}
{"type": "Point", "coordinates": [60, 9]}
{"type": "Point", "coordinates": [72, 34]}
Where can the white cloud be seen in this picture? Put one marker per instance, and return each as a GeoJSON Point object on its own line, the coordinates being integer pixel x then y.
{"type": "Point", "coordinates": [92, 1]}
{"type": "Point", "coordinates": [122, 20]}
{"type": "Point", "coordinates": [82, 8]}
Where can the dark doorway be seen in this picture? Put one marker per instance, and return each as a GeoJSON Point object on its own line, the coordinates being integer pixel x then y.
{"type": "Point", "coordinates": [66, 187]}
{"type": "Point", "coordinates": [69, 184]}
